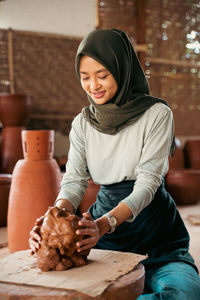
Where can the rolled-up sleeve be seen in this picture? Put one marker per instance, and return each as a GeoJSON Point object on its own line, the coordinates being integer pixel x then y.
{"type": "Point", "coordinates": [153, 164]}
{"type": "Point", "coordinates": [75, 179]}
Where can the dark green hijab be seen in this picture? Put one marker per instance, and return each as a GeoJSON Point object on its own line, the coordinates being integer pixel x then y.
{"type": "Point", "coordinates": [113, 50]}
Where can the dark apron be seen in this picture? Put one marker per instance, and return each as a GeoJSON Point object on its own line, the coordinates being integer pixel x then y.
{"type": "Point", "coordinates": [157, 231]}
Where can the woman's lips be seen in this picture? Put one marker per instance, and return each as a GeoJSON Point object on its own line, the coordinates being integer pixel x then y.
{"type": "Point", "coordinates": [98, 94]}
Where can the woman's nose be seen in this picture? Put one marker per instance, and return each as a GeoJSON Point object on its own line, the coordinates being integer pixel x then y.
{"type": "Point", "coordinates": [94, 85]}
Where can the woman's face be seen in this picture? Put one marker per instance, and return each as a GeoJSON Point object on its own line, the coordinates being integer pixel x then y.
{"type": "Point", "coordinates": [96, 80]}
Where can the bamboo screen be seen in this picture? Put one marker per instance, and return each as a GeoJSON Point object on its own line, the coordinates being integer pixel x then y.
{"type": "Point", "coordinates": [117, 14]}
{"type": "Point", "coordinates": [42, 66]}
{"type": "Point", "coordinates": [172, 37]}
{"type": "Point", "coordinates": [4, 64]}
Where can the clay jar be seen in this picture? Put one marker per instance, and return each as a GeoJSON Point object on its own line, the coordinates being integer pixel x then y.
{"type": "Point", "coordinates": [35, 185]}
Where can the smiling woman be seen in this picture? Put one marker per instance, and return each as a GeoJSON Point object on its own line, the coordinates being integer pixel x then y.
{"type": "Point", "coordinates": [122, 140]}
{"type": "Point", "coordinates": [96, 80]}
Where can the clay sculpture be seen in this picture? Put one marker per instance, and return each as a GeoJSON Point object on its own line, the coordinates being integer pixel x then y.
{"type": "Point", "coordinates": [58, 245]}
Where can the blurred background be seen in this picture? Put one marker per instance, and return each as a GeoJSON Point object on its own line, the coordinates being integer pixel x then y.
{"type": "Point", "coordinates": [39, 39]}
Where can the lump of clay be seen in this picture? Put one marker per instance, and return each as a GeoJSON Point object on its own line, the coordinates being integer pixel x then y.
{"type": "Point", "coordinates": [58, 245]}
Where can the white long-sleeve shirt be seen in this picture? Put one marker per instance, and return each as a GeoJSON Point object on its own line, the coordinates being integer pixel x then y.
{"type": "Point", "coordinates": [138, 152]}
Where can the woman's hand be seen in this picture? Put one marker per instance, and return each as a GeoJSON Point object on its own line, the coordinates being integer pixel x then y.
{"type": "Point", "coordinates": [35, 238]}
{"type": "Point", "coordinates": [91, 232]}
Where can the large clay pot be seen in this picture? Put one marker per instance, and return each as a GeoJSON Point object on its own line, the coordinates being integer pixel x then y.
{"type": "Point", "coordinates": [183, 185]}
{"type": "Point", "coordinates": [15, 109]}
{"type": "Point", "coordinates": [35, 185]}
{"type": "Point", "coordinates": [11, 148]}
{"type": "Point", "coordinates": [5, 181]}
{"type": "Point", "coordinates": [192, 154]}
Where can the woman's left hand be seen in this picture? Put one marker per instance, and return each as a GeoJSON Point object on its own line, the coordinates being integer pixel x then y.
{"type": "Point", "coordinates": [91, 232]}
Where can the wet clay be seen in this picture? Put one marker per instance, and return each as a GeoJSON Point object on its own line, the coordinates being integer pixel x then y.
{"type": "Point", "coordinates": [58, 245]}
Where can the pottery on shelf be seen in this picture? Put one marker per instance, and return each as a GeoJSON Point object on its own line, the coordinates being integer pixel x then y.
{"type": "Point", "coordinates": [35, 185]}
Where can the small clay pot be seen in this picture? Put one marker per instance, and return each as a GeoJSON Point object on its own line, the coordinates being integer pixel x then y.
{"type": "Point", "coordinates": [35, 186]}
{"type": "Point", "coordinates": [15, 110]}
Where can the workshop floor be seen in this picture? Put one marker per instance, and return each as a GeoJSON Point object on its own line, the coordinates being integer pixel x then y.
{"type": "Point", "coordinates": [189, 213]}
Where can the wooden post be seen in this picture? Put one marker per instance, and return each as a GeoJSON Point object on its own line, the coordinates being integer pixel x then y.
{"type": "Point", "coordinates": [97, 21]}
{"type": "Point", "coordinates": [10, 60]}
{"type": "Point", "coordinates": [140, 28]}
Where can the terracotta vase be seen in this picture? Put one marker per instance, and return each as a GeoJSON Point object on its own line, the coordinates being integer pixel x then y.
{"type": "Point", "coordinates": [35, 185]}
{"type": "Point", "coordinates": [15, 110]}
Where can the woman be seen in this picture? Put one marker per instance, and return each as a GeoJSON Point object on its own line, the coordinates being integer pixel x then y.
{"type": "Point", "coordinates": [122, 140]}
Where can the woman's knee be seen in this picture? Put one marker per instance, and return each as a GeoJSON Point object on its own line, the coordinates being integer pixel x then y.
{"type": "Point", "coordinates": [176, 278]}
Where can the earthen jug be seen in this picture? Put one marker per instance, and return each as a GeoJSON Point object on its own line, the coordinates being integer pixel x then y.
{"type": "Point", "coordinates": [35, 185]}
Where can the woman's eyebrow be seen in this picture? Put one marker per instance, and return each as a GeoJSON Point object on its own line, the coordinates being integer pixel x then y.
{"type": "Point", "coordinates": [101, 70]}
{"type": "Point", "coordinates": [98, 71]}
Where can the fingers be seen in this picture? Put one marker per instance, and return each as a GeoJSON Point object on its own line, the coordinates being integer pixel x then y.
{"type": "Point", "coordinates": [34, 245]}
{"type": "Point", "coordinates": [86, 244]}
{"type": "Point", "coordinates": [35, 238]}
{"type": "Point", "coordinates": [89, 230]}
{"type": "Point", "coordinates": [39, 221]}
{"type": "Point", "coordinates": [35, 233]}
{"type": "Point", "coordinates": [87, 216]}
{"type": "Point", "coordinates": [87, 223]}
{"type": "Point", "coordinates": [87, 227]}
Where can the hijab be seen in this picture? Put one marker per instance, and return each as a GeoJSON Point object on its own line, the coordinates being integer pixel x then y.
{"type": "Point", "coordinates": [113, 49]}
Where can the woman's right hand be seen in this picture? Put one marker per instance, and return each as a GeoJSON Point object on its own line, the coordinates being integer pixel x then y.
{"type": "Point", "coordinates": [35, 237]}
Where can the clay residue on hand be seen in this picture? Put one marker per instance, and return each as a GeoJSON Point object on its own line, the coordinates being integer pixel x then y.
{"type": "Point", "coordinates": [58, 245]}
